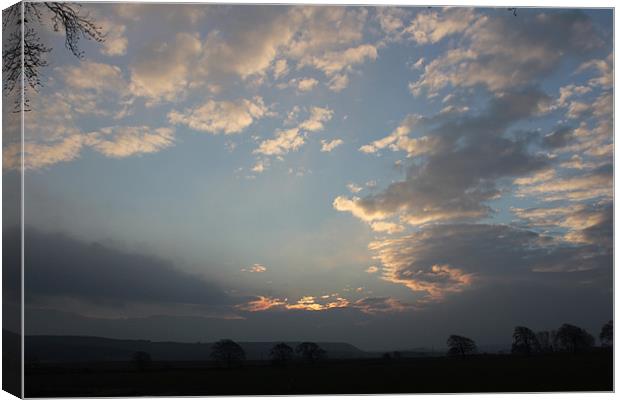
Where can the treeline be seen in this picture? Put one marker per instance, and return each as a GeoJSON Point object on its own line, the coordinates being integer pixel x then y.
{"type": "Point", "coordinates": [568, 339]}
{"type": "Point", "coordinates": [227, 353]}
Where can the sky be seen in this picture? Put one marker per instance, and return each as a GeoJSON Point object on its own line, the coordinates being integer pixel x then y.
{"type": "Point", "coordinates": [383, 176]}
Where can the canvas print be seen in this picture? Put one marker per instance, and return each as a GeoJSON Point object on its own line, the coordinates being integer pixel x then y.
{"type": "Point", "coordinates": [225, 199]}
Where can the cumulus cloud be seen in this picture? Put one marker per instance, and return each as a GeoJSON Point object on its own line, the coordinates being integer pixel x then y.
{"type": "Point", "coordinates": [284, 141]}
{"type": "Point", "coordinates": [399, 140]}
{"type": "Point", "coordinates": [502, 52]}
{"type": "Point", "coordinates": [91, 88]}
{"type": "Point", "coordinates": [306, 84]}
{"type": "Point", "coordinates": [114, 142]}
{"type": "Point", "coordinates": [329, 145]}
{"type": "Point", "coordinates": [292, 139]}
{"type": "Point", "coordinates": [119, 142]}
{"type": "Point", "coordinates": [227, 117]}
{"type": "Point", "coordinates": [165, 70]}
{"type": "Point", "coordinates": [433, 26]}
{"type": "Point", "coordinates": [334, 62]}
{"type": "Point", "coordinates": [604, 69]}
{"type": "Point", "coordinates": [41, 155]}
{"type": "Point", "coordinates": [280, 68]}
{"type": "Point", "coordinates": [115, 43]}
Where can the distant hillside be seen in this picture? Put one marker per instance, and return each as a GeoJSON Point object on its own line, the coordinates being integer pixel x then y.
{"type": "Point", "coordinates": [88, 348]}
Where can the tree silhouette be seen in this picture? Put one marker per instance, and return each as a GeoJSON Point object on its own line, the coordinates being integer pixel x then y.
{"type": "Point", "coordinates": [141, 360]}
{"type": "Point", "coordinates": [227, 352]}
{"type": "Point", "coordinates": [460, 345]}
{"type": "Point", "coordinates": [281, 354]}
{"type": "Point", "coordinates": [63, 17]}
{"type": "Point", "coordinates": [524, 341]}
{"type": "Point", "coordinates": [572, 339]}
{"type": "Point", "coordinates": [310, 351]}
{"type": "Point", "coordinates": [545, 341]}
{"type": "Point", "coordinates": [607, 334]}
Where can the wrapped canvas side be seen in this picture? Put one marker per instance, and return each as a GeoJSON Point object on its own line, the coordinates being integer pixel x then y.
{"type": "Point", "coordinates": [12, 175]}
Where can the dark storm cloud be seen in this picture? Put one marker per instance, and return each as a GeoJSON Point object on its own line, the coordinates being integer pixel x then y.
{"type": "Point", "coordinates": [487, 315]}
{"type": "Point", "coordinates": [454, 258]}
{"type": "Point", "coordinates": [461, 174]}
{"type": "Point", "coordinates": [602, 232]}
{"type": "Point", "coordinates": [58, 265]}
{"type": "Point", "coordinates": [559, 137]}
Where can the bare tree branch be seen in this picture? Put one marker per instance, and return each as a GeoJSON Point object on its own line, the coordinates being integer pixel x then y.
{"type": "Point", "coordinates": [64, 17]}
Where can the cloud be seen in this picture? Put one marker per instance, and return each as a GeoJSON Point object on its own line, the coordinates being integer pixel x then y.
{"type": "Point", "coordinates": [584, 223]}
{"type": "Point", "coordinates": [433, 26]}
{"type": "Point", "coordinates": [260, 40]}
{"type": "Point", "coordinates": [165, 70]}
{"type": "Point", "coordinates": [91, 88]}
{"type": "Point", "coordinates": [115, 43]}
{"type": "Point", "coordinates": [305, 303]}
{"type": "Point", "coordinates": [318, 116]}
{"type": "Point", "coordinates": [228, 117]}
{"type": "Point", "coordinates": [328, 146]}
{"type": "Point", "coordinates": [98, 77]}
{"type": "Point", "coordinates": [375, 305]}
{"type": "Point", "coordinates": [353, 188]}
{"type": "Point", "coordinates": [399, 140]}
{"type": "Point", "coordinates": [41, 155]}
{"type": "Point", "coordinates": [372, 269]}
{"type": "Point", "coordinates": [478, 255]}
{"type": "Point", "coordinates": [256, 268]}
{"type": "Point", "coordinates": [62, 267]}
{"type": "Point", "coordinates": [178, 16]}
{"type": "Point", "coordinates": [590, 185]}
{"type": "Point", "coordinates": [306, 84]}
{"type": "Point", "coordinates": [387, 227]}
{"type": "Point", "coordinates": [604, 69]}
{"type": "Point", "coordinates": [354, 206]}
{"type": "Point", "coordinates": [504, 51]}
{"type": "Point", "coordinates": [334, 62]}
{"type": "Point", "coordinates": [280, 68]}
{"type": "Point", "coordinates": [284, 141]}
{"type": "Point", "coordinates": [292, 139]}
{"type": "Point", "coordinates": [471, 154]}
{"type": "Point", "coordinates": [114, 142]}
{"type": "Point", "coordinates": [120, 142]}
{"type": "Point", "coordinates": [261, 303]}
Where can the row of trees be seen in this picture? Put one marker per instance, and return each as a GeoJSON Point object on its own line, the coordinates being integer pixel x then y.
{"type": "Point", "coordinates": [568, 338]}
{"type": "Point", "coordinates": [229, 353]}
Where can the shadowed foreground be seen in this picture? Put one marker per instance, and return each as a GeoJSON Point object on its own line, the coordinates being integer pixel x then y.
{"type": "Point", "coordinates": [484, 373]}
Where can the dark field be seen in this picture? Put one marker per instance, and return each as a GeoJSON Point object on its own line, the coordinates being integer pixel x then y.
{"type": "Point", "coordinates": [483, 373]}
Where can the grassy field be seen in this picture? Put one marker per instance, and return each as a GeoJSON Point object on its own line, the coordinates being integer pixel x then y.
{"type": "Point", "coordinates": [483, 373]}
